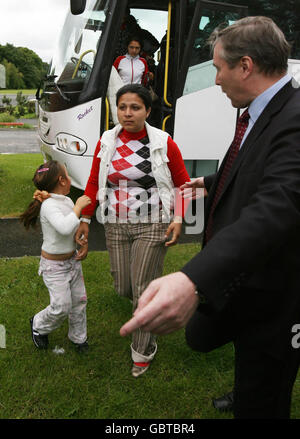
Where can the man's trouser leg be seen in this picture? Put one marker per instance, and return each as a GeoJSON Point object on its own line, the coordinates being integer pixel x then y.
{"type": "Point", "coordinates": [263, 383]}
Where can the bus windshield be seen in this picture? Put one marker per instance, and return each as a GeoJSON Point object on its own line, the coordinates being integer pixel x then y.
{"type": "Point", "coordinates": [77, 45]}
{"type": "Point", "coordinates": [201, 73]}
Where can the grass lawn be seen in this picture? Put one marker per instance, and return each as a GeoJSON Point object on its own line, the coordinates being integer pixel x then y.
{"type": "Point", "coordinates": [41, 384]}
{"type": "Point", "coordinates": [14, 92]}
{"type": "Point", "coordinates": [16, 186]}
{"type": "Point", "coordinates": [25, 126]}
{"type": "Point", "coordinates": [44, 385]}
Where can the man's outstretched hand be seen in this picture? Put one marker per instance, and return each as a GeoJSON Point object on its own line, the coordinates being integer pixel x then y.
{"type": "Point", "coordinates": [165, 306]}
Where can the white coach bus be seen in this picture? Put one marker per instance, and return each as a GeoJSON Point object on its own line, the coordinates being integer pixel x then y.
{"type": "Point", "coordinates": [76, 103]}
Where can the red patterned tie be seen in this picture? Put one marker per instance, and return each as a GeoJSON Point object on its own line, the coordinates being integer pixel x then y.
{"type": "Point", "coordinates": [241, 127]}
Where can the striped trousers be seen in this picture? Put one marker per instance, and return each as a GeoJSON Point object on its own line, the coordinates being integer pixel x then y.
{"type": "Point", "coordinates": [137, 253]}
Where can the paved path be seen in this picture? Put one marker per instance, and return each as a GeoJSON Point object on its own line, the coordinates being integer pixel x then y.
{"type": "Point", "coordinates": [15, 241]}
{"type": "Point", "coordinates": [18, 141]}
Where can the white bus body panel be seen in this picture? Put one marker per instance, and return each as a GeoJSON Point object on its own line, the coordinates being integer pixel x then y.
{"type": "Point", "coordinates": [204, 124]}
{"type": "Point", "coordinates": [205, 119]}
{"type": "Point", "coordinates": [60, 132]}
{"type": "Point", "coordinates": [294, 69]}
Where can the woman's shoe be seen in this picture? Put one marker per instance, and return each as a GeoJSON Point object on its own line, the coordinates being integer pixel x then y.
{"type": "Point", "coordinates": [139, 368]}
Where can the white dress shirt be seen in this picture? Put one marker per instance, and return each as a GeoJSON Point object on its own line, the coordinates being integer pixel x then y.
{"type": "Point", "coordinates": [261, 101]}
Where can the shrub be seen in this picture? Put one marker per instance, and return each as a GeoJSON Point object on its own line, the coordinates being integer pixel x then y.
{"type": "Point", "coordinates": [21, 100]}
{"type": "Point", "coordinates": [6, 100]}
{"type": "Point", "coordinates": [20, 110]}
{"type": "Point", "coordinates": [7, 117]}
{"type": "Point", "coordinates": [8, 106]}
{"type": "Point", "coordinates": [31, 107]}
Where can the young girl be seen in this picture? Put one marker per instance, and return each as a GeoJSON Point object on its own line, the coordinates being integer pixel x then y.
{"type": "Point", "coordinates": [60, 263]}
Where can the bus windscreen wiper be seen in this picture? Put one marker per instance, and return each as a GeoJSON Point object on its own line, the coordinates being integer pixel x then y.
{"type": "Point", "coordinates": [62, 94]}
{"type": "Point", "coordinates": [51, 79]}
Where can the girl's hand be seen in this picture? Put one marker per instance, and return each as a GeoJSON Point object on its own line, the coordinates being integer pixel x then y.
{"type": "Point", "coordinates": [81, 236]}
{"type": "Point", "coordinates": [82, 252]}
{"type": "Point", "coordinates": [83, 201]}
{"type": "Point", "coordinates": [80, 204]}
{"type": "Point", "coordinates": [41, 195]}
{"type": "Point", "coordinates": [175, 229]}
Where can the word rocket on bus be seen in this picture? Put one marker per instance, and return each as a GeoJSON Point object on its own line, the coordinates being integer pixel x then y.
{"type": "Point", "coordinates": [87, 111]}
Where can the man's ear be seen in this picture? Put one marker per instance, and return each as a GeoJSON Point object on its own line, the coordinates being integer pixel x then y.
{"type": "Point", "coordinates": [247, 65]}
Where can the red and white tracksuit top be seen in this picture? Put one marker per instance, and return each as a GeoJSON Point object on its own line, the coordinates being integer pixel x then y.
{"type": "Point", "coordinates": [132, 70]}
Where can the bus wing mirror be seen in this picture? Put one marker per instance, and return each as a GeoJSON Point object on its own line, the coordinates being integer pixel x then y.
{"type": "Point", "coordinates": [77, 6]}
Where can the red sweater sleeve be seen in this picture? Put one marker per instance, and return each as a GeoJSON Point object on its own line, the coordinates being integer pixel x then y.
{"type": "Point", "coordinates": [179, 176]}
{"type": "Point", "coordinates": [91, 189]}
{"type": "Point", "coordinates": [145, 74]}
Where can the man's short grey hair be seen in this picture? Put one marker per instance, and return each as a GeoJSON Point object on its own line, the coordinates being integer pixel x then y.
{"type": "Point", "coordinates": [257, 37]}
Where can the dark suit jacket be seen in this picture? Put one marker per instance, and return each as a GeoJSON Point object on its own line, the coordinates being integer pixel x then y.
{"type": "Point", "coordinates": [252, 261]}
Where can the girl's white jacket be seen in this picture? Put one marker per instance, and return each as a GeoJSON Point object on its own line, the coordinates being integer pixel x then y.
{"type": "Point", "coordinates": [59, 224]}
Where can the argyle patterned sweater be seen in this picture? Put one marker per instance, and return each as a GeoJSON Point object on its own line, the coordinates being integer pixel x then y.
{"type": "Point", "coordinates": [132, 188]}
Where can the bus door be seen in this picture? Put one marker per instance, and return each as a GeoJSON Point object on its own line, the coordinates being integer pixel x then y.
{"type": "Point", "coordinates": [204, 118]}
{"type": "Point", "coordinates": [168, 23]}
{"type": "Point", "coordinates": [148, 20]}
{"type": "Point", "coordinates": [169, 57]}
{"type": "Point", "coordinates": [163, 22]}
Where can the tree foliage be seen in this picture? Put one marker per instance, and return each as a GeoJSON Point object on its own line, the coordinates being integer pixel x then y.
{"type": "Point", "coordinates": [24, 68]}
{"type": "Point", "coordinates": [14, 78]}
{"type": "Point", "coordinates": [286, 15]}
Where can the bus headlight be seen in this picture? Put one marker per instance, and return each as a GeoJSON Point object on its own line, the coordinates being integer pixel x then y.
{"type": "Point", "coordinates": [70, 144]}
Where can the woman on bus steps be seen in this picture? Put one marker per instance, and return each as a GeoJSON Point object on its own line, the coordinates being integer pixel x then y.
{"type": "Point", "coordinates": [134, 172]}
{"type": "Point", "coordinates": [132, 68]}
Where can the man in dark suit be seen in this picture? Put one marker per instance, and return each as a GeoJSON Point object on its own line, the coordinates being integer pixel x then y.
{"type": "Point", "coordinates": [246, 277]}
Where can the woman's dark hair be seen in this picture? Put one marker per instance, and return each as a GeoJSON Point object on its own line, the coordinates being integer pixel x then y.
{"type": "Point", "coordinates": [45, 179]}
{"type": "Point", "coordinates": [134, 38]}
{"type": "Point", "coordinates": [142, 92]}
